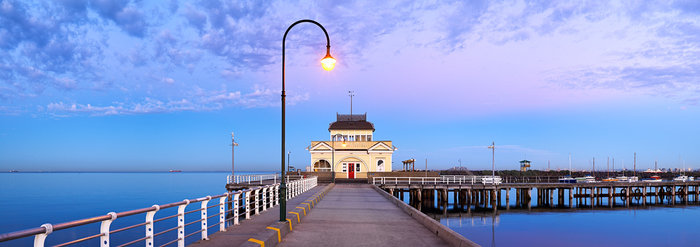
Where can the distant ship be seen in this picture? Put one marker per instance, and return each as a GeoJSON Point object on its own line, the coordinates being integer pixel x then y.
{"type": "Point", "coordinates": [14, 171]}
{"type": "Point", "coordinates": [586, 179]}
{"type": "Point", "coordinates": [627, 179]}
{"type": "Point", "coordinates": [683, 178]}
{"type": "Point", "coordinates": [175, 171]}
{"type": "Point", "coordinates": [567, 180]}
{"type": "Point", "coordinates": [654, 178]}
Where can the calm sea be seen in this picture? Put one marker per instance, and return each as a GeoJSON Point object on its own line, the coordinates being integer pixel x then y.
{"type": "Point", "coordinates": [636, 225]}
{"type": "Point", "coordinates": [29, 200]}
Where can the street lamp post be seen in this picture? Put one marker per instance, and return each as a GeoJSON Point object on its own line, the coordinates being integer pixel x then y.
{"type": "Point", "coordinates": [493, 162]}
{"type": "Point", "coordinates": [328, 63]}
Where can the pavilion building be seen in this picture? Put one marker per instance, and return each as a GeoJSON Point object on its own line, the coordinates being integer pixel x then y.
{"type": "Point", "coordinates": [351, 151]}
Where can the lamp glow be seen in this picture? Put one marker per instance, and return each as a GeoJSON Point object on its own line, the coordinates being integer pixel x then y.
{"type": "Point", "coordinates": [328, 62]}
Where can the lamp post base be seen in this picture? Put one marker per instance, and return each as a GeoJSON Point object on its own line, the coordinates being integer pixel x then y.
{"type": "Point", "coordinates": [283, 202]}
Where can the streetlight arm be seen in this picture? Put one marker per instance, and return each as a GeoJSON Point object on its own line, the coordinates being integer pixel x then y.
{"type": "Point", "coordinates": [284, 40]}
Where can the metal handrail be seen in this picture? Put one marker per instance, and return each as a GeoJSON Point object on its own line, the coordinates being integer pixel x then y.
{"type": "Point", "coordinates": [439, 180]}
{"type": "Point", "coordinates": [254, 200]}
{"type": "Point", "coordinates": [252, 178]}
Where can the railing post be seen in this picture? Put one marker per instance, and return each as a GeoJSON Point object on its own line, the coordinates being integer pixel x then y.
{"type": "Point", "coordinates": [181, 224]}
{"type": "Point", "coordinates": [277, 192]}
{"type": "Point", "coordinates": [236, 198]}
{"type": "Point", "coordinates": [257, 201]}
{"type": "Point", "coordinates": [264, 198]}
{"type": "Point", "coordinates": [222, 213]}
{"type": "Point", "coordinates": [204, 218]}
{"type": "Point", "coordinates": [39, 239]}
{"type": "Point", "coordinates": [272, 195]}
{"type": "Point", "coordinates": [104, 229]}
{"type": "Point", "coordinates": [149, 225]}
{"type": "Point", "coordinates": [290, 187]}
{"type": "Point", "coordinates": [247, 204]}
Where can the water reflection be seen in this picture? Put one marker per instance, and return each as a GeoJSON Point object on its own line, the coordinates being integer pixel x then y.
{"type": "Point", "coordinates": [663, 220]}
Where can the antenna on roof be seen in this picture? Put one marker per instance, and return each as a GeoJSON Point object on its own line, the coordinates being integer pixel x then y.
{"type": "Point", "coordinates": [351, 93]}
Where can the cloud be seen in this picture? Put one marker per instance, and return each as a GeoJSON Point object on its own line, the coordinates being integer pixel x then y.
{"type": "Point", "coordinates": [134, 49]}
{"type": "Point", "coordinates": [123, 13]}
{"type": "Point", "coordinates": [200, 100]}
{"type": "Point", "coordinates": [147, 106]}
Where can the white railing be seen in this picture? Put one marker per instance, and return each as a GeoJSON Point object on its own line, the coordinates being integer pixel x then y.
{"type": "Point", "coordinates": [263, 197]}
{"type": "Point", "coordinates": [252, 179]}
{"type": "Point", "coordinates": [446, 180]}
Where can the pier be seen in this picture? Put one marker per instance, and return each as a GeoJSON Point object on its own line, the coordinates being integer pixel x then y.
{"type": "Point", "coordinates": [466, 192]}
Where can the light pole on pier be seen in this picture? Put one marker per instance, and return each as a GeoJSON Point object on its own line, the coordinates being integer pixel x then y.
{"type": "Point", "coordinates": [328, 63]}
{"type": "Point", "coordinates": [233, 145]}
{"type": "Point", "coordinates": [493, 161]}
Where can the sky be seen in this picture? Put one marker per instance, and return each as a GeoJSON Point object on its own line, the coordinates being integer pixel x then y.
{"type": "Point", "coordinates": [97, 85]}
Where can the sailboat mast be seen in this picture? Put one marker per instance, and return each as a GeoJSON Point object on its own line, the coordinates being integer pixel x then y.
{"type": "Point", "coordinates": [569, 164]}
{"type": "Point", "coordinates": [634, 171]}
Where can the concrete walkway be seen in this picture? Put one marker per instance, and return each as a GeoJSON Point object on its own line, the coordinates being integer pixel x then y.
{"type": "Point", "coordinates": [357, 215]}
{"type": "Point", "coordinates": [237, 235]}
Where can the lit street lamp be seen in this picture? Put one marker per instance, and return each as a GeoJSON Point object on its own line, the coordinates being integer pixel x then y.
{"type": "Point", "coordinates": [328, 63]}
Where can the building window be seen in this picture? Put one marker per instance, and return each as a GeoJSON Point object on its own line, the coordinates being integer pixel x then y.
{"type": "Point", "coordinates": [380, 165]}
{"type": "Point", "coordinates": [369, 138]}
{"type": "Point", "coordinates": [358, 167]}
{"type": "Point", "coordinates": [322, 166]}
{"type": "Point", "coordinates": [345, 167]}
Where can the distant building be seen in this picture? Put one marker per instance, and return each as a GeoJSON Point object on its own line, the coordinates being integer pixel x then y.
{"type": "Point", "coordinates": [356, 151]}
{"type": "Point", "coordinates": [524, 165]}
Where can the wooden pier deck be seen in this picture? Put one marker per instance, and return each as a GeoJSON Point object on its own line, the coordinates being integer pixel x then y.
{"type": "Point", "coordinates": [239, 234]}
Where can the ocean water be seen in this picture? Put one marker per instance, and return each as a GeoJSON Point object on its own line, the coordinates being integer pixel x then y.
{"type": "Point", "coordinates": [661, 224]}
{"type": "Point", "coordinates": [29, 200]}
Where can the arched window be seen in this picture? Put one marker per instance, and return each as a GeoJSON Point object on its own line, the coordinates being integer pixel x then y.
{"type": "Point", "coordinates": [380, 165]}
{"type": "Point", "coordinates": [322, 166]}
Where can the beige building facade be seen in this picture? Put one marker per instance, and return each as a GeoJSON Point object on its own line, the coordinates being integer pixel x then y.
{"type": "Point", "coordinates": [351, 151]}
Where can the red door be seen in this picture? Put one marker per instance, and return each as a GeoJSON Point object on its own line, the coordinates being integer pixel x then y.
{"type": "Point", "coordinates": [351, 170]}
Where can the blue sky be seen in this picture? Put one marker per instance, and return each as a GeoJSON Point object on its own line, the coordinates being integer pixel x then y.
{"type": "Point", "coordinates": [158, 85]}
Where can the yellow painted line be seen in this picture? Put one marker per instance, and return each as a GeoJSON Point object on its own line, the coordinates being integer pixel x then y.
{"type": "Point", "coordinates": [279, 234]}
{"type": "Point", "coordinates": [298, 219]}
{"type": "Point", "coordinates": [312, 202]}
{"type": "Point", "coordinates": [307, 204]}
{"type": "Point", "coordinates": [290, 224]}
{"type": "Point", "coordinates": [261, 243]}
{"type": "Point", "coordinates": [303, 208]}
